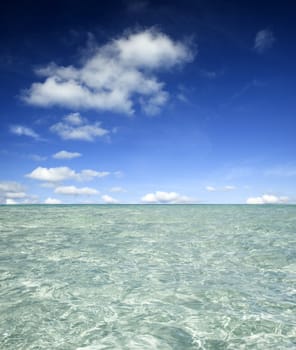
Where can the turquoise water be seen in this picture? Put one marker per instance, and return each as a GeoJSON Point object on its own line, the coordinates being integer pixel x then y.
{"type": "Point", "coordinates": [147, 277]}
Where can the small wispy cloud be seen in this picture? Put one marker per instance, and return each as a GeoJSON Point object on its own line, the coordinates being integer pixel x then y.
{"type": "Point", "coordinates": [220, 189]}
{"type": "Point", "coordinates": [15, 195]}
{"type": "Point", "coordinates": [10, 186]}
{"type": "Point", "coordinates": [21, 130]}
{"type": "Point", "coordinates": [76, 191]}
{"type": "Point", "coordinates": [76, 127]}
{"type": "Point", "coordinates": [89, 174]}
{"type": "Point", "coordinates": [264, 40]}
{"type": "Point", "coordinates": [66, 155]}
{"type": "Point", "coordinates": [181, 97]}
{"type": "Point", "coordinates": [245, 89]}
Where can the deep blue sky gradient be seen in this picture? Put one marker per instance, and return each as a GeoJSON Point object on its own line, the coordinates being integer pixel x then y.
{"type": "Point", "coordinates": [230, 119]}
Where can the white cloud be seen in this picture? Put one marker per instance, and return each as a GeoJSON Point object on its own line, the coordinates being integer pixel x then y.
{"type": "Point", "coordinates": [151, 49]}
{"type": "Point", "coordinates": [64, 173]}
{"type": "Point", "coordinates": [89, 174]}
{"type": "Point", "coordinates": [115, 77]}
{"type": "Point", "coordinates": [267, 199]}
{"type": "Point", "coordinates": [165, 197]}
{"type": "Point", "coordinates": [50, 200]}
{"type": "Point", "coordinates": [264, 40]}
{"type": "Point", "coordinates": [9, 201]}
{"type": "Point", "coordinates": [10, 186]}
{"type": "Point", "coordinates": [220, 189]}
{"type": "Point", "coordinates": [15, 195]}
{"type": "Point", "coordinates": [23, 131]}
{"type": "Point", "coordinates": [109, 200]}
{"type": "Point", "coordinates": [75, 127]}
{"type": "Point", "coordinates": [117, 189]}
{"type": "Point", "coordinates": [66, 155]}
{"type": "Point", "coordinates": [74, 119]}
{"type": "Point", "coordinates": [11, 191]}
{"type": "Point", "coordinates": [52, 174]}
{"type": "Point", "coordinates": [72, 190]}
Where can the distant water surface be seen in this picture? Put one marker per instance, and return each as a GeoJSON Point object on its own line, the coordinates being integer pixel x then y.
{"type": "Point", "coordinates": [147, 277]}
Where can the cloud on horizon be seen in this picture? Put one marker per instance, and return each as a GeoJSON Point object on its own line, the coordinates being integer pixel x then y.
{"type": "Point", "coordinates": [51, 200]}
{"type": "Point", "coordinates": [165, 198]}
{"type": "Point", "coordinates": [267, 199]}
{"type": "Point", "coordinates": [12, 192]}
{"type": "Point", "coordinates": [109, 200]}
{"type": "Point", "coordinates": [115, 77]}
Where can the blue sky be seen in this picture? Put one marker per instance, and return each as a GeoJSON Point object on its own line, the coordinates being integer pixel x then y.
{"type": "Point", "coordinates": [147, 102]}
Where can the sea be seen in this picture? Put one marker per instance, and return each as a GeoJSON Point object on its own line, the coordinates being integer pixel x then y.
{"type": "Point", "coordinates": [88, 277]}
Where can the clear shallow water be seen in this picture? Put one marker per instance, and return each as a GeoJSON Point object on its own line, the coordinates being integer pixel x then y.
{"type": "Point", "coordinates": [147, 277]}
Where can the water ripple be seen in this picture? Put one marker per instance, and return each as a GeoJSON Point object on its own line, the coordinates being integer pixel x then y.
{"type": "Point", "coordinates": [147, 277]}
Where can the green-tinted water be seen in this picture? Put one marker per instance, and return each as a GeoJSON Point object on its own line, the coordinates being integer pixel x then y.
{"type": "Point", "coordinates": [147, 277]}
